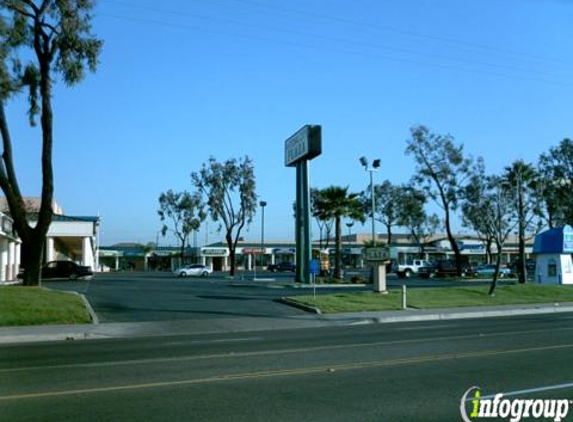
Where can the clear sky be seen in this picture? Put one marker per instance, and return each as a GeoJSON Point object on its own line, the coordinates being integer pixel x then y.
{"type": "Point", "coordinates": [181, 80]}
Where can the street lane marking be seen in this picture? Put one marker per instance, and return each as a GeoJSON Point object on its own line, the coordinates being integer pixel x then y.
{"type": "Point", "coordinates": [529, 391]}
{"type": "Point", "coordinates": [283, 373]}
{"type": "Point", "coordinates": [232, 354]}
{"type": "Point", "coordinates": [206, 342]}
{"type": "Point", "coordinates": [428, 327]}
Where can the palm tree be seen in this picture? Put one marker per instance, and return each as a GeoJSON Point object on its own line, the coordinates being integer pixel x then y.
{"type": "Point", "coordinates": [336, 202]}
{"type": "Point", "coordinates": [524, 178]}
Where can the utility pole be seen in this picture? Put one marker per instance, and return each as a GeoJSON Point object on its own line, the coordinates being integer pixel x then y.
{"type": "Point", "coordinates": [522, 268]}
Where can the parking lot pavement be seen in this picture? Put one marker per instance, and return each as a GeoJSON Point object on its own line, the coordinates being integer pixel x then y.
{"type": "Point", "coordinates": [136, 297]}
{"type": "Point", "coordinates": [160, 296]}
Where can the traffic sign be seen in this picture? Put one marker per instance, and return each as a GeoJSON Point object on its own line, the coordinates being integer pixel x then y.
{"type": "Point", "coordinates": [314, 267]}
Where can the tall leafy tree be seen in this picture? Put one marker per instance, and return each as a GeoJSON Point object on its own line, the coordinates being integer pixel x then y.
{"type": "Point", "coordinates": [441, 170]}
{"type": "Point", "coordinates": [230, 190]}
{"type": "Point", "coordinates": [499, 217]}
{"type": "Point", "coordinates": [524, 180]}
{"type": "Point", "coordinates": [556, 173]}
{"type": "Point", "coordinates": [182, 213]}
{"type": "Point", "coordinates": [336, 203]}
{"type": "Point", "coordinates": [387, 197]}
{"type": "Point", "coordinates": [473, 217]}
{"type": "Point", "coordinates": [39, 41]}
{"type": "Point", "coordinates": [411, 214]}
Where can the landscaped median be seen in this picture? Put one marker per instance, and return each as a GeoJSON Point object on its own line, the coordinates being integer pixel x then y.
{"type": "Point", "coordinates": [437, 297]}
{"type": "Point", "coordinates": [36, 306]}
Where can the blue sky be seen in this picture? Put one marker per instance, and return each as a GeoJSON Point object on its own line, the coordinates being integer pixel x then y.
{"type": "Point", "coordinates": [181, 80]}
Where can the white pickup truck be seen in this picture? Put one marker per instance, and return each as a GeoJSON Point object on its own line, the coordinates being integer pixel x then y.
{"type": "Point", "coordinates": [411, 267]}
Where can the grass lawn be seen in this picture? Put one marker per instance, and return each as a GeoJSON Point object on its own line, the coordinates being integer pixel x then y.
{"type": "Point", "coordinates": [439, 297]}
{"type": "Point", "coordinates": [35, 306]}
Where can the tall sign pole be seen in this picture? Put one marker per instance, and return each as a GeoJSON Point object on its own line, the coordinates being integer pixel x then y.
{"type": "Point", "coordinates": [300, 148]}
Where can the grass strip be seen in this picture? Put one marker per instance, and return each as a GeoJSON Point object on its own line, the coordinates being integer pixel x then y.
{"type": "Point", "coordinates": [439, 297]}
{"type": "Point", "coordinates": [21, 305]}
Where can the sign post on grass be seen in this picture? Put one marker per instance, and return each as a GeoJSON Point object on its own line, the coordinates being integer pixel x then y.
{"type": "Point", "coordinates": [378, 258]}
{"type": "Point", "coordinates": [300, 148]}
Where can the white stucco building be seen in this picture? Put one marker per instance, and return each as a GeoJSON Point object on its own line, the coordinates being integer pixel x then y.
{"type": "Point", "coordinates": [73, 238]}
{"type": "Point", "coordinates": [9, 250]}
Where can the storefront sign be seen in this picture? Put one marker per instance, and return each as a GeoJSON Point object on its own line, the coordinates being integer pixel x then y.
{"type": "Point", "coordinates": [284, 251]}
{"type": "Point", "coordinates": [472, 247]}
{"type": "Point", "coordinates": [254, 251]}
{"type": "Point", "coordinates": [214, 252]}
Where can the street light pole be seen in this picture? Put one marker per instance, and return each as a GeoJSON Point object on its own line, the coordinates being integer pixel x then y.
{"type": "Point", "coordinates": [371, 170]}
{"type": "Point", "coordinates": [263, 204]}
{"type": "Point", "coordinates": [373, 207]}
{"type": "Point", "coordinates": [378, 274]}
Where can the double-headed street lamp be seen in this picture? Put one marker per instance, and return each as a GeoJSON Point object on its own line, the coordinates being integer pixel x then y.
{"type": "Point", "coordinates": [371, 170]}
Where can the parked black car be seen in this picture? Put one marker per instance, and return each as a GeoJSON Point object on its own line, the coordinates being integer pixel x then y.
{"type": "Point", "coordinates": [282, 267]}
{"type": "Point", "coordinates": [63, 269]}
{"type": "Point", "coordinates": [529, 266]}
{"type": "Point", "coordinates": [444, 268]}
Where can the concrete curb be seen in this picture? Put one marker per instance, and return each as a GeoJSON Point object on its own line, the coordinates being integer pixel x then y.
{"type": "Point", "coordinates": [87, 304]}
{"type": "Point", "coordinates": [456, 315]}
{"type": "Point", "coordinates": [93, 315]}
{"type": "Point", "coordinates": [311, 309]}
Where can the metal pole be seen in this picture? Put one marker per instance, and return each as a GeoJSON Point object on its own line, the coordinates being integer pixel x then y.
{"type": "Point", "coordinates": [307, 247]}
{"type": "Point", "coordinates": [373, 207]}
{"type": "Point", "coordinates": [314, 288]}
{"type": "Point", "coordinates": [262, 234]}
{"type": "Point", "coordinates": [404, 304]}
{"type": "Point", "coordinates": [298, 226]}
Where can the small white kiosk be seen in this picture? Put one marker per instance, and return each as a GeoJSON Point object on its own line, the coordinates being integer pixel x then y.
{"type": "Point", "coordinates": [553, 249]}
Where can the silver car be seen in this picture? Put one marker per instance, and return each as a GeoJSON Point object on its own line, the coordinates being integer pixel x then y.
{"type": "Point", "coordinates": [191, 270]}
{"type": "Point", "coordinates": [487, 270]}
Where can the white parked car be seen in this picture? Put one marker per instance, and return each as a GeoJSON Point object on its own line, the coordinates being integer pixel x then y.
{"type": "Point", "coordinates": [197, 270]}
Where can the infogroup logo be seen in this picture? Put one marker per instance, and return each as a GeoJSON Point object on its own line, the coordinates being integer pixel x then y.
{"type": "Point", "coordinates": [474, 407]}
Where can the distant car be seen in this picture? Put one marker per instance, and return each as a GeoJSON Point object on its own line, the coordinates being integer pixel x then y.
{"type": "Point", "coordinates": [191, 270]}
{"type": "Point", "coordinates": [63, 269]}
{"type": "Point", "coordinates": [282, 267]}
{"type": "Point", "coordinates": [411, 267]}
{"type": "Point", "coordinates": [529, 266]}
{"type": "Point", "coordinates": [444, 268]}
{"type": "Point", "coordinates": [487, 270]}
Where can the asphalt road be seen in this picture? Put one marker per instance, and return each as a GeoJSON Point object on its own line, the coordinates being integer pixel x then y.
{"type": "Point", "coordinates": [396, 372]}
{"type": "Point", "coordinates": [137, 297]}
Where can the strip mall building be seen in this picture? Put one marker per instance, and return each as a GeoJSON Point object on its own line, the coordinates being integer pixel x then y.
{"type": "Point", "coordinates": [248, 254]}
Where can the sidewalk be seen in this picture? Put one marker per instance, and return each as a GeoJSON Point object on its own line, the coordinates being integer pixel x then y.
{"type": "Point", "coordinates": [10, 335]}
